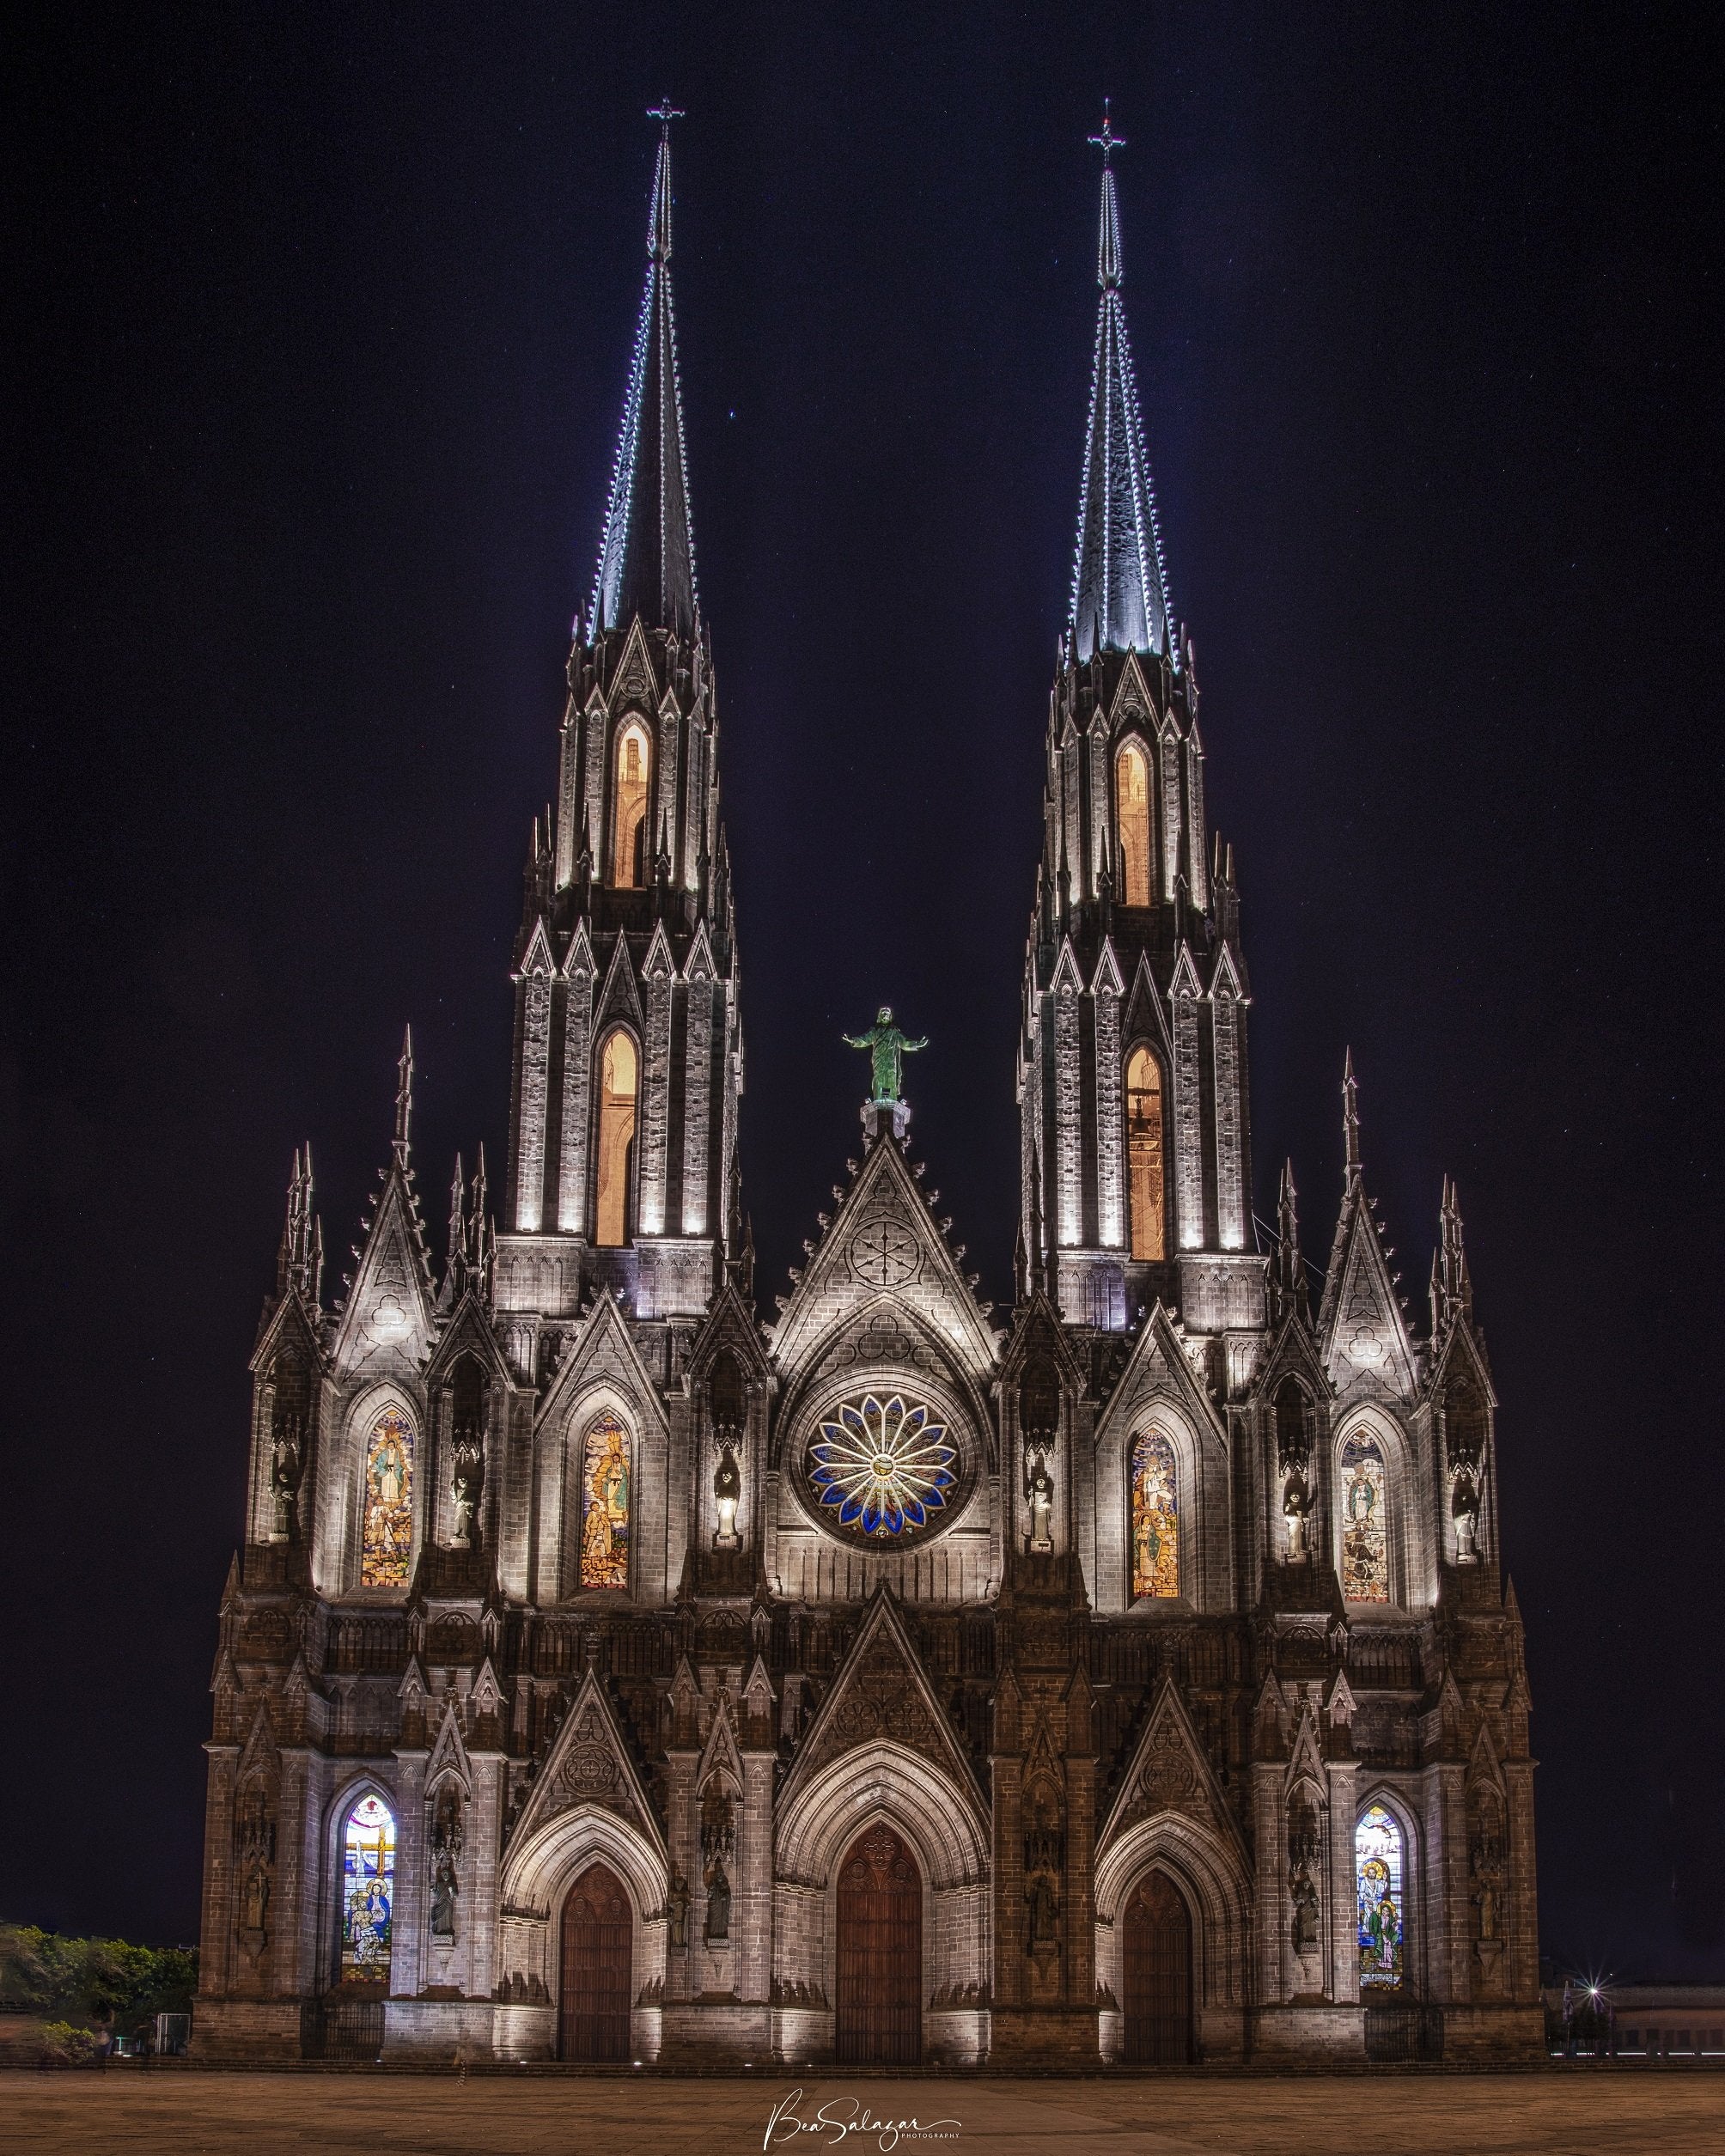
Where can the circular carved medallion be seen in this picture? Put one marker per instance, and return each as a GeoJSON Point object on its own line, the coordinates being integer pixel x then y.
{"type": "Point", "coordinates": [884, 1254]}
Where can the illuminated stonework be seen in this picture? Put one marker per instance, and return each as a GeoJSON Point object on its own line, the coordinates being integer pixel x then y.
{"type": "Point", "coordinates": [882, 1467]}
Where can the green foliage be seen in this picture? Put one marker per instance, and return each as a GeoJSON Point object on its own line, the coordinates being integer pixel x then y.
{"type": "Point", "coordinates": [100, 1979]}
{"type": "Point", "coordinates": [64, 2043]}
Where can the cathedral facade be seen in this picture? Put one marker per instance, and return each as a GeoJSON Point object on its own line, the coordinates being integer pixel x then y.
{"type": "Point", "coordinates": [1127, 1677]}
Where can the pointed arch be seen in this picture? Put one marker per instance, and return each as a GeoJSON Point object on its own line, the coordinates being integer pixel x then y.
{"type": "Point", "coordinates": [1154, 1527]}
{"type": "Point", "coordinates": [386, 1534]}
{"type": "Point", "coordinates": [1132, 820]}
{"type": "Point", "coordinates": [619, 1090]}
{"type": "Point", "coordinates": [607, 1502]}
{"type": "Point", "coordinates": [365, 1855]}
{"type": "Point", "coordinates": [1381, 1872]}
{"type": "Point", "coordinates": [1146, 1156]}
{"type": "Point", "coordinates": [1363, 1513]}
{"type": "Point", "coordinates": [632, 779]}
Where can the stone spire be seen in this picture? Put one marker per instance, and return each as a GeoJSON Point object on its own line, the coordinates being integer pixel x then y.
{"type": "Point", "coordinates": [1119, 585]}
{"type": "Point", "coordinates": [647, 556]}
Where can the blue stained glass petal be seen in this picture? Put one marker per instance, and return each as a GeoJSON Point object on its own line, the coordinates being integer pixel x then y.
{"type": "Point", "coordinates": [848, 1510]}
{"type": "Point", "coordinates": [914, 1513]}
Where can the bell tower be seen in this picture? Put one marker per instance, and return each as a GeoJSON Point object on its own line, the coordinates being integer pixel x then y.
{"type": "Point", "coordinates": [1136, 1155]}
{"type": "Point", "coordinates": [628, 1053]}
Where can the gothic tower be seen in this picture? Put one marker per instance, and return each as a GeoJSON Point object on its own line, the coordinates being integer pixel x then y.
{"type": "Point", "coordinates": [1132, 1083]}
{"type": "Point", "coordinates": [628, 1052]}
{"type": "Point", "coordinates": [607, 1674]}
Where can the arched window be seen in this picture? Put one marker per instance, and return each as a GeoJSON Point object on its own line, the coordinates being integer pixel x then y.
{"type": "Point", "coordinates": [1156, 1517]}
{"type": "Point", "coordinates": [1146, 1201]}
{"type": "Point", "coordinates": [629, 822]}
{"type": "Point", "coordinates": [1365, 1522]}
{"type": "Point", "coordinates": [605, 1505]}
{"type": "Point", "coordinates": [1291, 1441]}
{"type": "Point", "coordinates": [387, 1533]}
{"type": "Point", "coordinates": [1132, 813]}
{"type": "Point", "coordinates": [368, 1889]}
{"type": "Point", "coordinates": [1378, 1877]}
{"type": "Point", "coordinates": [618, 1073]}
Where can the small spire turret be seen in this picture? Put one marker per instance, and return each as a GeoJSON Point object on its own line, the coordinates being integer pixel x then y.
{"type": "Point", "coordinates": [1351, 1118]}
{"type": "Point", "coordinates": [404, 1098]}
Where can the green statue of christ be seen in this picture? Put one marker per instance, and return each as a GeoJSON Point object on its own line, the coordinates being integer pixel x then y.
{"type": "Point", "coordinates": [888, 1047]}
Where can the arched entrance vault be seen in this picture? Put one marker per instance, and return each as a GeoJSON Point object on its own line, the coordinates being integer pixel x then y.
{"type": "Point", "coordinates": [1207, 1874]}
{"type": "Point", "coordinates": [943, 1834]}
{"type": "Point", "coordinates": [590, 1848]}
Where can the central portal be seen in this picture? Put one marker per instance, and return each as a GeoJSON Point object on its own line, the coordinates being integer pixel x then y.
{"type": "Point", "coordinates": [879, 2021]}
{"type": "Point", "coordinates": [1157, 1951]}
{"type": "Point", "coordinates": [597, 1941]}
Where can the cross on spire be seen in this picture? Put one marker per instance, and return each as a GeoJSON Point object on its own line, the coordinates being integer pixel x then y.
{"type": "Point", "coordinates": [665, 112]}
{"type": "Point", "coordinates": [1108, 142]}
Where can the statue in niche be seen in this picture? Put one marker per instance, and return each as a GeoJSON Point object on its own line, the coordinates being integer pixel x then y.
{"type": "Point", "coordinates": [443, 1891]}
{"type": "Point", "coordinates": [1464, 1509]}
{"type": "Point", "coordinates": [466, 1467]}
{"type": "Point", "coordinates": [447, 1840]}
{"type": "Point", "coordinates": [1038, 1488]}
{"type": "Point", "coordinates": [1486, 1862]}
{"type": "Point", "coordinates": [678, 1903]}
{"type": "Point", "coordinates": [727, 1489]}
{"type": "Point", "coordinates": [256, 1906]}
{"type": "Point", "coordinates": [1044, 1911]}
{"type": "Point", "coordinates": [286, 1462]}
{"type": "Point", "coordinates": [1305, 1915]}
{"type": "Point", "coordinates": [1296, 1505]}
{"type": "Point", "coordinates": [718, 1904]}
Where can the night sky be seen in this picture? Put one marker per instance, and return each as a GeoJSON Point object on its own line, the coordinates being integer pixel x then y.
{"type": "Point", "coordinates": [320, 321]}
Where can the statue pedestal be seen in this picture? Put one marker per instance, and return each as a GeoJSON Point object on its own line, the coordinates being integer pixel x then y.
{"type": "Point", "coordinates": [884, 1119]}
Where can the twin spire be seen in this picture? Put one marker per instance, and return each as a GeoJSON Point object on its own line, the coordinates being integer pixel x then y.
{"type": "Point", "coordinates": [1119, 582]}
{"type": "Point", "coordinates": [647, 556]}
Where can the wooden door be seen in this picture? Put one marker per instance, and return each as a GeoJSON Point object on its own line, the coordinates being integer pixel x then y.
{"type": "Point", "coordinates": [598, 1940]}
{"type": "Point", "coordinates": [1157, 1951]}
{"type": "Point", "coordinates": [879, 2019]}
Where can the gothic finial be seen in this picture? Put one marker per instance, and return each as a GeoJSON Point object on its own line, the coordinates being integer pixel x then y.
{"type": "Point", "coordinates": [1108, 240]}
{"type": "Point", "coordinates": [404, 1097]}
{"type": "Point", "coordinates": [659, 233]}
{"type": "Point", "coordinates": [1350, 1118]}
{"type": "Point", "coordinates": [458, 1226]}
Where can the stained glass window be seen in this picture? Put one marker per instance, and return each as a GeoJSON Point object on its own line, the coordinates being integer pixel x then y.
{"type": "Point", "coordinates": [387, 1535]}
{"type": "Point", "coordinates": [1132, 791]}
{"type": "Point", "coordinates": [605, 1505]}
{"type": "Point", "coordinates": [883, 1466]}
{"type": "Point", "coordinates": [1365, 1536]}
{"type": "Point", "coordinates": [1145, 1201]}
{"type": "Point", "coordinates": [618, 1065]}
{"type": "Point", "coordinates": [1156, 1517]}
{"type": "Point", "coordinates": [629, 828]}
{"type": "Point", "coordinates": [367, 1889]}
{"type": "Point", "coordinates": [1378, 1872]}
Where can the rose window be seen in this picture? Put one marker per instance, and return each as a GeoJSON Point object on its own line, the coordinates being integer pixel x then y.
{"type": "Point", "coordinates": [883, 1466]}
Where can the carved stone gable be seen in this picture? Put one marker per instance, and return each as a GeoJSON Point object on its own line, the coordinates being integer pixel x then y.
{"type": "Point", "coordinates": [1167, 1772]}
{"type": "Point", "coordinates": [882, 1693]}
{"type": "Point", "coordinates": [587, 1763]}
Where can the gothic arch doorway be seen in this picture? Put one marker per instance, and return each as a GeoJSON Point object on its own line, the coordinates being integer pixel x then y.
{"type": "Point", "coordinates": [598, 1940]}
{"type": "Point", "coordinates": [1156, 1955]}
{"type": "Point", "coordinates": [879, 2017]}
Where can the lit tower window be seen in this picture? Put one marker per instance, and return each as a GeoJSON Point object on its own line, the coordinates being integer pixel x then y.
{"type": "Point", "coordinates": [1132, 810]}
{"type": "Point", "coordinates": [620, 1071]}
{"type": "Point", "coordinates": [1145, 1197]}
{"type": "Point", "coordinates": [629, 825]}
